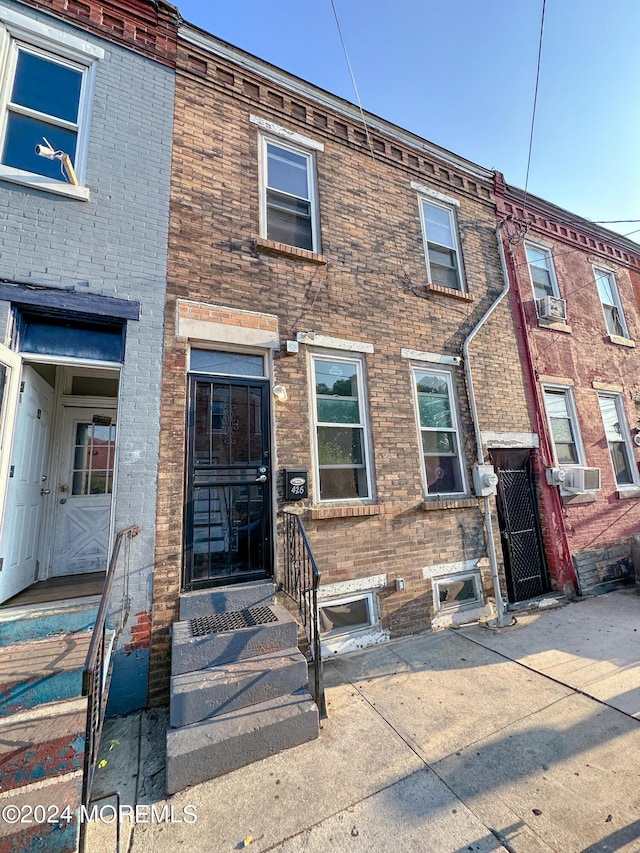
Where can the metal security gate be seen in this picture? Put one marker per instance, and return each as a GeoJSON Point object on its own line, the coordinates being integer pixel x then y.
{"type": "Point", "coordinates": [228, 482]}
{"type": "Point", "coordinates": [520, 531]}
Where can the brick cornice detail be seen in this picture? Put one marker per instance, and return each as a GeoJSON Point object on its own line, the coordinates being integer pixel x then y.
{"type": "Point", "coordinates": [146, 26]}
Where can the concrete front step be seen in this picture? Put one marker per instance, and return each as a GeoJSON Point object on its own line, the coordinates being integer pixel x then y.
{"type": "Point", "coordinates": [41, 671]}
{"type": "Point", "coordinates": [42, 742]}
{"type": "Point", "coordinates": [213, 747]}
{"type": "Point", "coordinates": [189, 653]}
{"type": "Point", "coordinates": [229, 687]}
{"type": "Point", "coordinates": [22, 624]}
{"type": "Point", "coordinates": [236, 597]}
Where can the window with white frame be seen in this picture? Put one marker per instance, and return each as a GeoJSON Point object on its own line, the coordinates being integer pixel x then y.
{"type": "Point", "coordinates": [541, 270]}
{"type": "Point", "coordinates": [288, 195]}
{"type": "Point", "coordinates": [45, 100]}
{"type": "Point", "coordinates": [347, 614]}
{"type": "Point", "coordinates": [563, 423]}
{"type": "Point", "coordinates": [457, 591]}
{"type": "Point", "coordinates": [610, 299]}
{"type": "Point", "coordinates": [618, 439]}
{"type": "Point", "coordinates": [442, 249]}
{"type": "Point", "coordinates": [439, 434]}
{"type": "Point", "coordinates": [341, 440]}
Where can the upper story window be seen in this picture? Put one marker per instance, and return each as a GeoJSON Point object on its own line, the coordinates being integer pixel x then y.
{"type": "Point", "coordinates": [340, 414]}
{"type": "Point", "coordinates": [442, 250]}
{"type": "Point", "coordinates": [438, 432]}
{"type": "Point", "coordinates": [610, 299]}
{"type": "Point", "coordinates": [288, 195]}
{"type": "Point", "coordinates": [543, 277]}
{"type": "Point", "coordinates": [563, 422]}
{"type": "Point", "coordinates": [618, 439]}
{"type": "Point", "coordinates": [45, 98]}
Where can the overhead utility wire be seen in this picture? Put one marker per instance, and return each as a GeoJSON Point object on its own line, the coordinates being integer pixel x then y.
{"type": "Point", "coordinates": [369, 142]}
{"type": "Point", "coordinates": [535, 101]}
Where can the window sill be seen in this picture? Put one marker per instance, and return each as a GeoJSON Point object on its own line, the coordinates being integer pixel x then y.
{"type": "Point", "coordinates": [575, 499]}
{"type": "Point", "coordinates": [42, 183]}
{"type": "Point", "coordinates": [554, 326]}
{"type": "Point", "coordinates": [271, 247]}
{"type": "Point", "coordinates": [433, 504]}
{"type": "Point", "coordinates": [449, 291]}
{"type": "Point", "coordinates": [632, 492]}
{"type": "Point", "coordinates": [321, 512]}
{"type": "Point", "coordinates": [621, 342]}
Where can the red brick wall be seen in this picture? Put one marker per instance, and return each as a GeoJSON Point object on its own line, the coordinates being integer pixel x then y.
{"type": "Point", "coordinates": [585, 355]}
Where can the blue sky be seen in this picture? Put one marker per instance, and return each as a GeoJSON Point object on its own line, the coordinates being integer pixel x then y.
{"type": "Point", "coordinates": [461, 73]}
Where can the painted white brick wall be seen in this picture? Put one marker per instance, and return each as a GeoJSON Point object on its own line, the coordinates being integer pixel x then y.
{"type": "Point", "coordinates": [113, 245]}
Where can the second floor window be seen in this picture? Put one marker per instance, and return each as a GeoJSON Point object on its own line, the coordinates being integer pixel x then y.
{"type": "Point", "coordinates": [541, 271]}
{"type": "Point", "coordinates": [288, 196]}
{"type": "Point", "coordinates": [610, 299]}
{"type": "Point", "coordinates": [442, 251]}
{"type": "Point", "coordinates": [44, 101]}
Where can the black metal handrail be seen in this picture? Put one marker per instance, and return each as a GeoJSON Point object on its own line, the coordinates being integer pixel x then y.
{"type": "Point", "coordinates": [96, 675]}
{"type": "Point", "coordinates": [300, 583]}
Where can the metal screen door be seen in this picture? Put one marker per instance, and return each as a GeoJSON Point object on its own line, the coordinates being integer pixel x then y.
{"type": "Point", "coordinates": [521, 540]}
{"type": "Point", "coordinates": [228, 508]}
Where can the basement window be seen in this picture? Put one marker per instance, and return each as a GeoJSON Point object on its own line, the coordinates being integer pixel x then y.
{"type": "Point", "coordinates": [457, 591]}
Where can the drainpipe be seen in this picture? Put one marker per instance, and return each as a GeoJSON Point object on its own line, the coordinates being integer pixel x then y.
{"type": "Point", "coordinates": [501, 622]}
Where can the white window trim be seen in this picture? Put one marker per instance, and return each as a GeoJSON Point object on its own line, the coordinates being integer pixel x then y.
{"type": "Point", "coordinates": [616, 299]}
{"type": "Point", "coordinates": [434, 194]}
{"type": "Point", "coordinates": [355, 638]}
{"type": "Point", "coordinates": [302, 151]}
{"type": "Point", "coordinates": [625, 437]}
{"type": "Point", "coordinates": [567, 390]}
{"type": "Point", "coordinates": [447, 375]}
{"type": "Point", "coordinates": [291, 135]}
{"type": "Point", "coordinates": [364, 425]}
{"type": "Point", "coordinates": [450, 209]}
{"type": "Point", "coordinates": [540, 247]}
{"type": "Point", "coordinates": [439, 607]}
{"type": "Point", "coordinates": [16, 29]}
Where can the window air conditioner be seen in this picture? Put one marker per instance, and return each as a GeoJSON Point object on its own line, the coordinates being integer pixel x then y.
{"type": "Point", "coordinates": [581, 480]}
{"type": "Point", "coordinates": [552, 308]}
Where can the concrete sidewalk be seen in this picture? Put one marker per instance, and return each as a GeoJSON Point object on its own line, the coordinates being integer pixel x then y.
{"type": "Point", "coordinates": [525, 739]}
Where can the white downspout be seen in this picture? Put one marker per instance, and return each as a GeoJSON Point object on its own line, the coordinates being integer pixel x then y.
{"type": "Point", "coordinates": [476, 426]}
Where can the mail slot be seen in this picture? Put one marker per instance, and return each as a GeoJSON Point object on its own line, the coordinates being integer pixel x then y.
{"type": "Point", "coordinates": [296, 484]}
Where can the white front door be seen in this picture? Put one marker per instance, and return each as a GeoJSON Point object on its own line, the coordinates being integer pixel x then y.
{"type": "Point", "coordinates": [28, 485]}
{"type": "Point", "coordinates": [82, 514]}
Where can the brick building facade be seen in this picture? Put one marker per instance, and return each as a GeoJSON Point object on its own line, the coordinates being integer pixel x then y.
{"type": "Point", "coordinates": [298, 263]}
{"type": "Point", "coordinates": [82, 294]}
{"type": "Point", "coordinates": [574, 298]}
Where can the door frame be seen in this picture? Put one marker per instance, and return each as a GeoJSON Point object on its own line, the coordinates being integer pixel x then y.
{"type": "Point", "coordinates": [187, 582]}
{"type": "Point", "coordinates": [8, 415]}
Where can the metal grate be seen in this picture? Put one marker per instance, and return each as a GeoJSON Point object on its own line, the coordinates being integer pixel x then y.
{"type": "Point", "coordinates": [527, 570]}
{"type": "Point", "coordinates": [232, 620]}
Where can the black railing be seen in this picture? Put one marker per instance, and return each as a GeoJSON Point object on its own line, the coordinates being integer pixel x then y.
{"type": "Point", "coordinates": [113, 614]}
{"type": "Point", "coordinates": [301, 582]}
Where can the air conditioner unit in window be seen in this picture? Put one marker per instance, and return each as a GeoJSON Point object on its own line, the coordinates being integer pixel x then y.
{"type": "Point", "coordinates": [552, 308]}
{"type": "Point", "coordinates": [581, 480]}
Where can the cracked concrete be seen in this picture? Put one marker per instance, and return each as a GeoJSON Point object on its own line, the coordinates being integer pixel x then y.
{"type": "Point", "coordinates": [524, 740]}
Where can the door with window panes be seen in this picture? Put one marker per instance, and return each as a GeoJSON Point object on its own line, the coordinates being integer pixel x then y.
{"type": "Point", "coordinates": [228, 509]}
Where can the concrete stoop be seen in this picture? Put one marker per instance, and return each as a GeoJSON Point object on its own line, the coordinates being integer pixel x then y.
{"type": "Point", "coordinates": [43, 720]}
{"type": "Point", "coordinates": [239, 685]}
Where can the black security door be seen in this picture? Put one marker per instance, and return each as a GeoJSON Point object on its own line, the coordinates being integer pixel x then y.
{"type": "Point", "coordinates": [519, 526]}
{"type": "Point", "coordinates": [228, 482]}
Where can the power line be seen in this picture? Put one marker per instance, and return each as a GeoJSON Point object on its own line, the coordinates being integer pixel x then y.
{"type": "Point", "coordinates": [535, 101]}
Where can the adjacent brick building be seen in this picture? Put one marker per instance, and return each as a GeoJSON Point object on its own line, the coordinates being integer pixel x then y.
{"type": "Point", "coordinates": [323, 277]}
{"type": "Point", "coordinates": [574, 298]}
